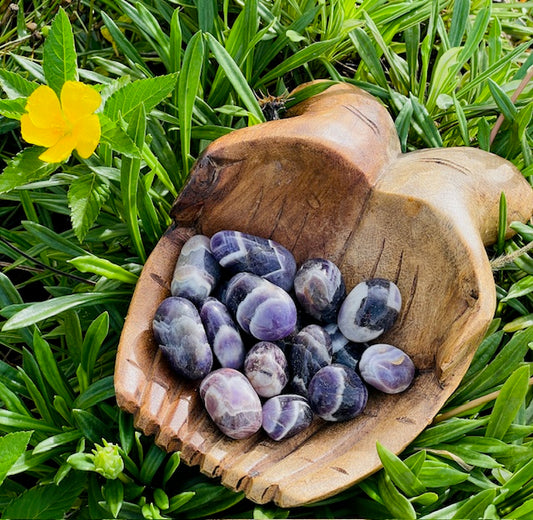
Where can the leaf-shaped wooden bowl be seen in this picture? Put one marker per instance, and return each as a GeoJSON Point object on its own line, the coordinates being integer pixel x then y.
{"type": "Point", "coordinates": [330, 181]}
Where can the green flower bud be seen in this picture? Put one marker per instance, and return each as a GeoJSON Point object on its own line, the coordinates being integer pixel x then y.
{"type": "Point", "coordinates": [107, 460]}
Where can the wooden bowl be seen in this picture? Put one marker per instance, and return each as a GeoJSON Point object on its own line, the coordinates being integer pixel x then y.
{"type": "Point", "coordinates": [330, 181]}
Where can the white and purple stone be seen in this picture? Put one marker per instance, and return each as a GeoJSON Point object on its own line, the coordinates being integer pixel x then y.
{"type": "Point", "coordinates": [261, 308]}
{"type": "Point", "coordinates": [336, 393]}
{"type": "Point", "coordinates": [387, 368]}
{"type": "Point", "coordinates": [232, 403]}
{"type": "Point", "coordinates": [311, 350]}
{"type": "Point", "coordinates": [181, 337]}
{"type": "Point", "coordinates": [240, 252]}
{"type": "Point", "coordinates": [369, 310]}
{"type": "Point", "coordinates": [222, 333]}
{"type": "Point", "coordinates": [286, 415]}
{"type": "Point", "coordinates": [344, 351]}
{"type": "Point", "coordinates": [266, 368]}
{"type": "Point", "coordinates": [320, 289]}
{"type": "Point", "coordinates": [197, 271]}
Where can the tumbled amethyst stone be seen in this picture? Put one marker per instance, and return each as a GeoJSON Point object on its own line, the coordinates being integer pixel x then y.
{"type": "Point", "coordinates": [345, 352]}
{"type": "Point", "coordinates": [286, 415]}
{"type": "Point", "coordinates": [232, 403]}
{"type": "Point", "coordinates": [240, 252]}
{"type": "Point", "coordinates": [319, 288]}
{"type": "Point", "coordinates": [369, 310]}
{"type": "Point", "coordinates": [181, 337]}
{"type": "Point", "coordinates": [336, 393]}
{"type": "Point", "coordinates": [261, 308]}
{"type": "Point", "coordinates": [197, 271]}
{"type": "Point", "coordinates": [310, 352]}
{"type": "Point", "coordinates": [222, 333]}
{"type": "Point", "coordinates": [387, 368]}
{"type": "Point", "coordinates": [266, 368]}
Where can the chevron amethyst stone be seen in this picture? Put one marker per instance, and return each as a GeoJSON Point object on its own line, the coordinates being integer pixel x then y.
{"type": "Point", "coordinates": [181, 337]}
{"type": "Point", "coordinates": [222, 333]}
{"type": "Point", "coordinates": [266, 368]}
{"type": "Point", "coordinates": [286, 415]}
{"type": "Point", "coordinates": [310, 352]}
{"type": "Point", "coordinates": [240, 252]}
{"type": "Point", "coordinates": [344, 351]}
{"type": "Point", "coordinates": [319, 288]}
{"type": "Point", "coordinates": [261, 308]}
{"type": "Point", "coordinates": [369, 310]}
{"type": "Point", "coordinates": [336, 393]}
{"type": "Point", "coordinates": [387, 368]}
{"type": "Point", "coordinates": [197, 271]}
{"type": "Point", "coordinates": [232, 403]}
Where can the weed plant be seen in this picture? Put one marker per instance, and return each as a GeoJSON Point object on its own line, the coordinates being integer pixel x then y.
{"type": "Point", "coordinates": [175, 75]}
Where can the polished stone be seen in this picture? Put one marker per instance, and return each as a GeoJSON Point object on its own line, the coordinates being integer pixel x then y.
{"type": "Point", "coordinates": [286, 415]}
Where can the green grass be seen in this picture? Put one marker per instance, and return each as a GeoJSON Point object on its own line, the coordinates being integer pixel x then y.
{"type": "Point", "coordinates": [74, 237]}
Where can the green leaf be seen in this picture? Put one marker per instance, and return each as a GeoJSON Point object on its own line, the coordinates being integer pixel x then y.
{"type": "Point", "coordinates": [92, 427]}
{"type": "Point", "coordinates": [517, 481]}
{"type": "Point", "coordinates": [503, 101]}
{"type": "Point", "coordinates": [508, 403]}
{"type": "Point", "coordinates": [59, 54]}
{"type": "Point", "coordinates": [448, 430]}
{"type": "Point", "coordinates": [461, 8]}
{"type": "Point", "coordinates": [13, 108]}
{"type": "Point", "coordinates": [46, 502]}
{"type": "Point", "coordinates": [100, 390]}
{"type": "Point", "coordinates": [24, 168]}
{"type": "Point", "coordinates": [103, 267]}
{"type": "Point", "coordinates": [399, 472]}
{"type": "Point", "coordinates": [393, 500]}
{"type": "Point", "coordinates": [520, 288]}
{"type": "Point", "coordinates": [153, 460]}
{"type": "Point", "coordinates": [367, 52]}
{"type": "Point", "coordinates": [113, 491]}
{"type": "Point", "coordinates": [15, 86]}
{"type": "Point", "coordinates": [57, 440]}
{"type": "Point", "coordinates": [178, 501]}
{"type": "Point", "coordinates": [147, 92]}
{"type": "Point", "coordinates": [116, 137]}
{"type": "Point", "coordinates": [475, 506]}
{"type": "Point", "coordinates": [86, 196]}
{"type": "Point", "coordinates": [12, 446]}
{"type": "Point", "coordinates": [436, 474]}
{"type": "Point", "coordinates": [188, 87]}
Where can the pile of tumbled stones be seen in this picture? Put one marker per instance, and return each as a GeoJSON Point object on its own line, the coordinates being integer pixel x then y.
{"type": "Point", "coordinates": [273, 344]}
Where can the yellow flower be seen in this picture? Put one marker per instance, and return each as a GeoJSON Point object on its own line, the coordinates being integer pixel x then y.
{"type": "Point", "coordinates": [62, 126]}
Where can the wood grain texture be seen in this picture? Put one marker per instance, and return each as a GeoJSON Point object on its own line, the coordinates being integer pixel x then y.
{"type": "Point", "coordinates": [330, 181]}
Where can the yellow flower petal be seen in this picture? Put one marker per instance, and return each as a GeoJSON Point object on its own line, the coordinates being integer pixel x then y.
{"type": "Point", "coordinates": [87, 134]}
{"type": "Point", "coordinates": [44, 109]}
{"type": "Point", "coordinates": [36, 135]}
{"type": "Point", "coordinates": [78, 100]}
{"type": "Point", "coordinates": [60, 151]}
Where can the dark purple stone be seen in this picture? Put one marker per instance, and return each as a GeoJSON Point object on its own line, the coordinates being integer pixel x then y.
{"type": "Point", "coordinates": [369, 310]}
{"type": "Point", "coordinates": [336, 393]}
{"type": "Point", "coordinates": [261, 308]}
{"type": "Point", "coordinates": [387, 368]}
{"type": "Point", "coordinates": [222, 333]}
{"type": "Point", "coordinates": [181, 337]}
{"type": "Point", "coordinates": [197, 271]}
{"type": "Point", "coordinates": [319, 288]}
{"type": "Point", "coordinates": [286, 415]}
{"type": "Point", "coordinates": [232, 403]}
{"type": "Point", "coordinates": [266, 368]}
{"type": "Point", "coordinates": [240, 252]}
{"type": "Point", "coordinates": [310, 352]}
{"type": "Point", "coordinates": [345, 352]}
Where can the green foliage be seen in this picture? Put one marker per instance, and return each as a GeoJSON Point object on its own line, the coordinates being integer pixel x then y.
{"type": "Point", "coordinates": [173, 76]}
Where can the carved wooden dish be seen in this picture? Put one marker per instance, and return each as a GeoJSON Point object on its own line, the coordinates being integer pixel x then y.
{"type": "Point", "coordinates": [330, 181]}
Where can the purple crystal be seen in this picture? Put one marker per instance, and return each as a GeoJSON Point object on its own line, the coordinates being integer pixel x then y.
{"type": "Point", "coordinates": [197, 271]}
{"type": "Point", "coordinates": [266, 368]}
{"type": "Point", "coordinates": [387, 368]}
{"type": "Point", "coordinates": [336, 393]}
{"type": "Point", "coordinates": [240, 252]}
{"type": "Point", "coordinates": [286, 415]}
{"type": "Point", "coordinates": [261, 308]}
{"type": "Point", "coordinates": [369, 310]}
{"type": "Point", "coordinates": [232, 403]}
{"type": "Point", "coordinates": [222, 333]}
{"type": "Point", "coordinates": [310, 352]}
{"type": "Point", "coordinates": [320, 289]}
{"type": "Point", "coordinates": [181, 337]}
{"type": "Point", "coordinates": [345, 352]}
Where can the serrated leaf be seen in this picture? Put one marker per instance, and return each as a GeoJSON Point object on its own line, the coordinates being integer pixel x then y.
{"type": "Point", "coordinates": [15, 86]}
{"type": "Point", "coordinates": [148, 92]}
{"type": "Point", "coordinates": [116, 138]}
{"type": "Point", "coordinates": [47, 502]}
{"type": "Point", "coordinates": [12, 446]}
{"type": "Point", "coordinates": [59, 54]}
{"type": "Point", "coordinates": [86, 196]}
{"type": "Point", "coordinates": [13, 108]}
{"type": "Point", "coordinates": [24, 168]}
